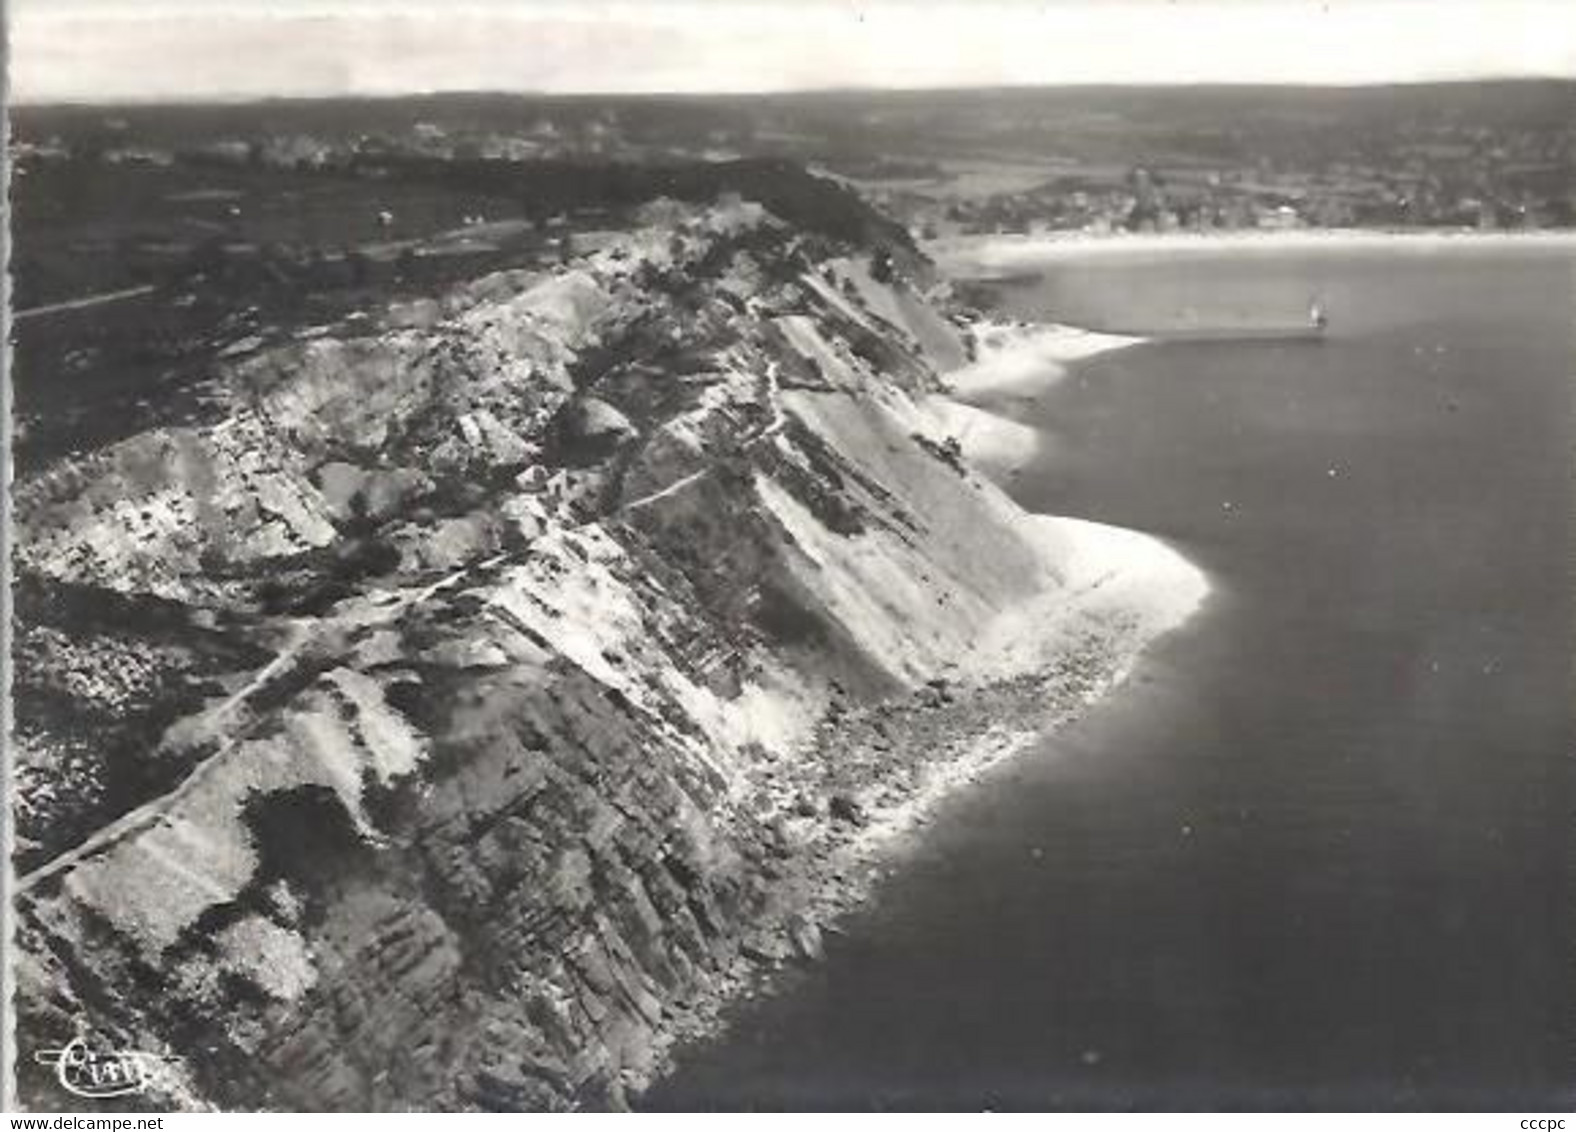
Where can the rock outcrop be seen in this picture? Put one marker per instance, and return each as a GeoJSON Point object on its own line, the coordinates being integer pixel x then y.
{"type": "Point", "coordinates": [452, 723]}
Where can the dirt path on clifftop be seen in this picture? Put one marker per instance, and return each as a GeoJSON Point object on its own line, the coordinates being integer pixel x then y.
{"type": "Point", "coordinates": [84, 303]}
{"type": "Point", "coordinates": [778, 422]}
{"type": "Point", "coordinates": [298, 634]}
{"type": "Point", "coordinates": [226, 725]}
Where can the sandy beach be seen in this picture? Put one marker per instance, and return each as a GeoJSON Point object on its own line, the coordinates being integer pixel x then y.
{"type": "Point", "coordinates": [984, 257]}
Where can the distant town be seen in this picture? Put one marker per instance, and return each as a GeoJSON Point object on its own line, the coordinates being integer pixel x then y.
{"type": "Point", "coordinates": [1036, 166]}
{"type": "Point", "coordinates": [1470, 181]}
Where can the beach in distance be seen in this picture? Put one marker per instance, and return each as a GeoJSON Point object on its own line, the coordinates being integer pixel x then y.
{"type": "Point", "coordinates": [981, 256]}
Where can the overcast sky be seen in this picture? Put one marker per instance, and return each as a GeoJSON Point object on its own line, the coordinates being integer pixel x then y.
{"type": "Point", "coordinates": [115, 50]}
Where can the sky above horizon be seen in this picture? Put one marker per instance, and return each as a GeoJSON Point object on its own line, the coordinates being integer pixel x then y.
{"type": "Point", "coordinates": [140, 50]}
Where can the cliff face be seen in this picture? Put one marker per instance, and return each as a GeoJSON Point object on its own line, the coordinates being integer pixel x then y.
{"type": "Point", "coordinates": [446, 723]}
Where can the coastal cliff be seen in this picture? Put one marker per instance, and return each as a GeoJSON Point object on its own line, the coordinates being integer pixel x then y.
{"type": "Point", "coordinates": [494, 687]}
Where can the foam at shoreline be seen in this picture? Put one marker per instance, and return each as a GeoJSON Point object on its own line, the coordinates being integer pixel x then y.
{"type": "Point", "coordinates": [1109, 592]}
{"type": "Point", "coordinates": [1025, 360]}
{"type": "Point", "coordinates": [1123, 590]}
{"type": "Point", "coordinates": [1013, 362]}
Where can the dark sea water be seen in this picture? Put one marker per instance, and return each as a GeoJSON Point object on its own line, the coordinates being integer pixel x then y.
{"type": "Point", "coordinates": [1319, 851]}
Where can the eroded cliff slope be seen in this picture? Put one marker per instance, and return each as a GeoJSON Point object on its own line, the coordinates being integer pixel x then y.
{"type": "Point", "coordinates": [493, 687]}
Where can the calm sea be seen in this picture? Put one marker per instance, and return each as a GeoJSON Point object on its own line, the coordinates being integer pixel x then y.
{"type": "Point", "coordinates": [1319, 851]}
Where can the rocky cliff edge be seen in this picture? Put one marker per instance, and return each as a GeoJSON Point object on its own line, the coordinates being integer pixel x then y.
{"type": "Point", "coordinates": [496, 688]}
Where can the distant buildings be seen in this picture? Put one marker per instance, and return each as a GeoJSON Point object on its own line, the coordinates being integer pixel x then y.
{"type": "Point", "coordinates": [1441, 184]}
